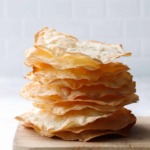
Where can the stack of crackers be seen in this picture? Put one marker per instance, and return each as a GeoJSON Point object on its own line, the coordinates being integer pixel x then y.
{"type": "Point", "coordinates": [78, 88]}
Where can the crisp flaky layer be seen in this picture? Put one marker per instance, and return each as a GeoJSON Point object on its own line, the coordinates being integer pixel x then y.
{"type": "Point", "coordinates": [65, 61]}
{"type": "Point", "coordinates": [114, 81]}
{"type": "Point", "coordinates": [90, 134]}
{"type": "Point", "coordinates": [59, 43]}
{"type": "Point", "coordinates": [54, 123]}
{"type": "Point", "coordinates": [35, 90]}
{"type": "Point", "coordinates": [103, 105]}
{"type": "Point", "coordinates": [50, 125]}
{"type": "Point", "coordinates": [46, 73]}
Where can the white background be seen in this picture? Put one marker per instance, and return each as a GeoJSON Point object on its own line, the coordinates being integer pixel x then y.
{"type": "Point", "coordinates": [111, 21]}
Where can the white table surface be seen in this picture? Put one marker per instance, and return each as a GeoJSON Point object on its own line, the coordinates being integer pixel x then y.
{"type": "Point", "coordinates": [11, 105]}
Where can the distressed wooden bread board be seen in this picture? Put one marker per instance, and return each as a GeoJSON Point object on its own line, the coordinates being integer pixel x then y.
{"type": "Point", "coordinates": [27, 139]}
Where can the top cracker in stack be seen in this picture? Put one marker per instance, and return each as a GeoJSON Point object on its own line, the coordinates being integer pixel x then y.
{"type": "Point", "coordinates": [77, 87]}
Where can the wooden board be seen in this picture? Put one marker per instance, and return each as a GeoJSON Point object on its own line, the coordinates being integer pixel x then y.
{"type": "Point", "coordinates": [27, 139]}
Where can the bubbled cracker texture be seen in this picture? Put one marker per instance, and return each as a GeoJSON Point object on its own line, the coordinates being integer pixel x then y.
{"type": "Point", "coordinates": [77, 88]}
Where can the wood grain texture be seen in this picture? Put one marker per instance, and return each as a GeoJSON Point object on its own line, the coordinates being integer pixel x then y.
{"type": "Point", "coordinates": [27, 139]}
